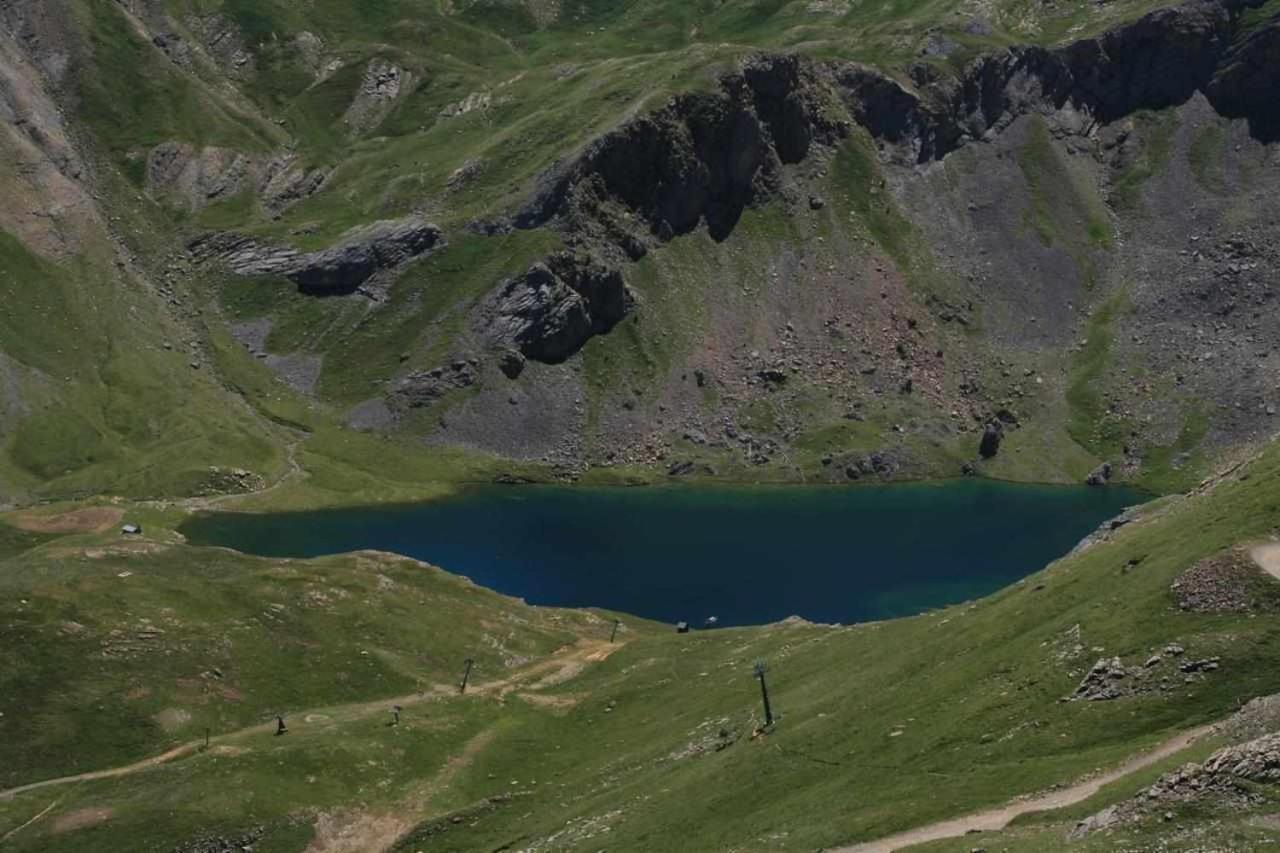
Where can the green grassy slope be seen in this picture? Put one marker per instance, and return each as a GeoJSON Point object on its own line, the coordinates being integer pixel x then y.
{"type": "Point", "coordinates": [114, 401]}
{"type": "Point", "coordinates": [152, 631]}
{"type": "Point", "coordinates": [882, 726]}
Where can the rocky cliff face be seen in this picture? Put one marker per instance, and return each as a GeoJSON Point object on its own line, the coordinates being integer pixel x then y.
{"type": "Point", "coordinates": [702, 159]}
{"type": "Point", "coordinates": [1159, 61]}
{"type": "Point", "coordinates": [698, 161]}
{"type": "Point", "coordinates": [50, 208]}
{"type": "Point", "coordinates": [1245, 83]}
{"type": "Point", "coordinates": [342, 269]}
{"type": "Point", "coordinates": [194, 178]}
{"type": "Point", "coordinates": [554, 308]}
{"type": "Point", "coordinates": [816, 263]}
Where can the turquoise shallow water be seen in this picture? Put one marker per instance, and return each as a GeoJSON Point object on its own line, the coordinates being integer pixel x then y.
{"type": "Point", "coordinates": [745, 555]}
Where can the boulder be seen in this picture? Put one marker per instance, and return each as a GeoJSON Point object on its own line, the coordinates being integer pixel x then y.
{"type": "Point", "coordinates": [1100, 475]}
{"type": "Point", "coordinates": [689, 468]}
{"type": "Point", "coordinates": [991, 438]}
{"type": "Point", "coordinates": [511, 362]}
{"type": "Point", "coordinates": [426, 387]}
{"type": "Point", "coordinates": [1101, 682]}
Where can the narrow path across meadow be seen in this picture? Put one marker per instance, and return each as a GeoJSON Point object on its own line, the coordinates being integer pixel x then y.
{"type": "Point", "coordinates": [1267, 556]}
{"type": "Point", "coordinates": [562, 665]}
{"type": "Point", "coordinates": [997, 819]}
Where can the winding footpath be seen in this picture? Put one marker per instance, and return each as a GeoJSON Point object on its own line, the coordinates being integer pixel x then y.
{"type": "Point", "coordinates": [997, 819]}
{"type": "Point", "coordinates": [565, 663]}
{"type": "Point", "coordinates": [1267, 556]}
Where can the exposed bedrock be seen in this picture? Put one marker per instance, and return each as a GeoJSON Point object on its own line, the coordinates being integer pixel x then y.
{"type": "Point", "coordinates": [343, 268]}
{"type": "Point", "coordinates": [196, 178]}
{"type": "Point", "coordinates": [699, 161]}
{"type": "Point", "coordinates": [1246, 83]}
{"type": "Point", "coordinates": [557, 306]}
{"type": "Point", "coordinates": [703, 158]}
{"type": "Point", "coordinates": [1158, 61]}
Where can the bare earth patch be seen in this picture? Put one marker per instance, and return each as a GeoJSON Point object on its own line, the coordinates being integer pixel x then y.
{"type": "Point", "coordinates": [97, 519]}
{"type": "Point", "coordinates": [561, 702]}
{"type": "Point", "coordinates": [172, 719]}
{"type": "Point", "coordinates": [127, 549]}
{"type": "Point", "coordinates": [81, 819]}
{"type": "Point", "coordinates": [373, 832]}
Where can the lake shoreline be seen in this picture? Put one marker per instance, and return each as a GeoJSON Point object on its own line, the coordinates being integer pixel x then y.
{"type": "Point", "coordinates": [447, 490]}
{"type": "Point", "coordinates": [745, 554]}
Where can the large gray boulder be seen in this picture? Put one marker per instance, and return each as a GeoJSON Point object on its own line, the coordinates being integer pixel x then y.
{"type": "Point", "coordinates": [991, 438]}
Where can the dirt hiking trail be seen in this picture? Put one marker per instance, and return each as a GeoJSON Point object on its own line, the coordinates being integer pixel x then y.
{"type": "Point", "coordinates": [1267, 556]}
{"type": "Point", "coordinates": [112, 773]}
{"type": "Point", "coordinates": [563, 664]}
{"type": "Point", "coordinates": [999, 818]}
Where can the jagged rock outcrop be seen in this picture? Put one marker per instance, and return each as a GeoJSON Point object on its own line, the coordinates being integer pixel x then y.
{"type": "Point", "coordinates": [1229, 776]}
{"type": "Point", "coordinates": [1160, 60]}
{"type": "Point", "coordinates": [880, 463]}
{"type": "Point", "coordinates": [1111, 679]}
{"type": "Point", "coordinates": [1107, 679]}
{"type": "Point", "coordinates": [553, 309]}
{"type": "Point", "coordinates": [283, 182]}
{"type": "Point", "coordinates": [424, 388]}
{"type": "Point", "coordinates": [1257, 761]}
{"type": "Point", "coordinates": [701, 159]}
{"type": "Point", "coordinates": [198, 177]}
{"type": "Point", "coordinates": [343, 268]}
{"type": "Point", "coordinates": [1247, 80]}
{"type": "Point", "coordinates": [511, 363]}
{"type": "Point", "coordinates": [382, 84]}
{"type": "Point", "coordinates": [225, 44]}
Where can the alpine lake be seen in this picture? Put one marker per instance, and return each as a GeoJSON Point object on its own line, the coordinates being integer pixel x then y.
{"type": "Point", "coordinates": [743, 555]}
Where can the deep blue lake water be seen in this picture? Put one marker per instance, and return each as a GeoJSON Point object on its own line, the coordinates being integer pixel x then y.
{"type": "Point", "coordinates": [745, 555]}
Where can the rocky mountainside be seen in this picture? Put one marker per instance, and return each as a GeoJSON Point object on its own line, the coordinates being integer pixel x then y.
{"type": "Point", "coordinates": [1032, 249]}
{"type": "Point", "coordinates": [305, 254]}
